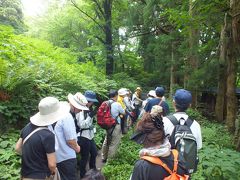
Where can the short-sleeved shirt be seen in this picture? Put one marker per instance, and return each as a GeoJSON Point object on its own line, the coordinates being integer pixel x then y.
{"type": "Point", "coordinates": [65, 130]}
{"type": "Point", "coordinates": [34, 152]}
{"type": "Point", "coordinates": [195, 127]}
{"type": "Point", "coordinates": [156, 101]}
{"type": "Point", "coordinates": [116, 110]}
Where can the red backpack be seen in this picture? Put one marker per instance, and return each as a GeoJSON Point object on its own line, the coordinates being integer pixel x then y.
{"type": "Point", "coordinates": [104, 117]}
{"type": "Point", "coordinates": [173, 173]}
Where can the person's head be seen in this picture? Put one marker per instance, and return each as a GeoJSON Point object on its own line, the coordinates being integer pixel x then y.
{"type": "Point", "coordinates": [78, 102]}
{"type": "Point", "coordinates": [93, 174]}
{"type": "Point", "coordinates": [159, 91]}
{"type": "Point", "coordinates": [138, 90]}
{"type": "Point", "coordinates": [151, 94]}
{"type": "Point", "coordinates": [182, 100]}
{"type": "Point", "coordinates": [50, 111]}
{"type": "Point", "coordinates": [150, 128]}
{"type": "Point", "coordinates": [129, 92]}
{"type": "Point", "coordinates": [113, 94]}
{"type": "Point", "coordinates": [91, 97]}
{"type": "Point", "coordinates": [122, 92]}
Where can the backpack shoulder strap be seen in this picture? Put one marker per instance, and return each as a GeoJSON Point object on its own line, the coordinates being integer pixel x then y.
{"type": "Point", "coordinates": [175, 156]}
{"type": "Point", "coordinates": [173, 119]}
{"type": "Point", "coordinates": [157, 160]}
{"type": "Point", "coordinates": [189, 122]}
{"type": "Point", "coordinates": [37, 129]}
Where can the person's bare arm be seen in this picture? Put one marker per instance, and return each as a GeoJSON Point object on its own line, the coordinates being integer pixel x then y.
{"type": "Point", "coordinates": [18, 146]}
{"type": "Point", "coordinates": [52, 162]}
{"type": "Point", "coordinates": [73, 144]}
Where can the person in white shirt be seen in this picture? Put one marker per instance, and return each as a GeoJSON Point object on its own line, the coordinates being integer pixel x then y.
{"type": "Point", "coordinates": [181, 102]}
{"type": "Point", "coordinates": [66, 138]}
{"type": "Point", "coordinates": [86, 134]}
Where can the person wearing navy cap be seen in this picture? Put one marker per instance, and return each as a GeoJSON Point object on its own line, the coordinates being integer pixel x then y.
{"type": "Point", "coordinates": [158, 101]}
{"type": "Point", "coordinates": [181, 102]}
{"type": "Point", "coordinates": [86, 134]}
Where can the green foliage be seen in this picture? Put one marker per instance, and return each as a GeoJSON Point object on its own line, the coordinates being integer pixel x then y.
{"type": "Point", "coordinates": [122, 78]}
{"type": "Point", "coordinates": [120, 167]}
{"type": "Point", "coordinates": [9, 160]}
{"type": "Point", "coordinates": [11, 14]}
{"type": "Point", "coordinates": [33, 69]}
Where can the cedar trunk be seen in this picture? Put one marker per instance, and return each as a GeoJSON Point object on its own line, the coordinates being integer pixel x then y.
{"type": "Point", "coordinates": [172, 74]}
{"type": "Point", "coordinates": [193, 55]}
{"type": "Point", "coordinates": [108, 36]}
{"type": "Point", "coordinates": [232, 64]}
{"type": "Point", "coordinates": [222, 74]}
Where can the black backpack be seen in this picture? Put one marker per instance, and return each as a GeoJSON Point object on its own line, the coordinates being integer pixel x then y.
{"type": "Point", "coordinates": [183, 140]}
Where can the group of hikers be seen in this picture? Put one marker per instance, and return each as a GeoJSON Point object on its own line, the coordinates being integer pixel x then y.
{"type": "Point", "coordinates": [50, 142]}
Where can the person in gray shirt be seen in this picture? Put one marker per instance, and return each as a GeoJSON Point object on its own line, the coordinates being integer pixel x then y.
{"type": "Point", "coordinates": [114, 134]}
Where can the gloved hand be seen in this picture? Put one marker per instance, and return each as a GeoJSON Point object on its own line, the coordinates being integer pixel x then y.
{"type": "Point", "coordinates": [92, 113]}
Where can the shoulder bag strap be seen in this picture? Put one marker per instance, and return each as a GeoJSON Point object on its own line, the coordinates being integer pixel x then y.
{"type": "Point", "coordinates": [157, 160]}
{"type": "Point", "coordinates": [160, 102]}
{"type": "Point", "coordinates": [38, 129]}
{"type": "Point", "coordinates": [175, 156]}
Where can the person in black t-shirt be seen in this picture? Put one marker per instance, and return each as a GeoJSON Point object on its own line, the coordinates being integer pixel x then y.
{"type": "Point", "coordinates": [37, 143]}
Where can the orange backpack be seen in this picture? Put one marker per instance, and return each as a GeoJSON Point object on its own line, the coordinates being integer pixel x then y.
{"type": "Point", "coordinates": [173, 173]}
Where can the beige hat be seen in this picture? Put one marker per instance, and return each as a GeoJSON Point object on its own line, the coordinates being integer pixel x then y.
{"type": "Point", "coordinates": [50, 111]}
{"type": "Point", "coordinates": [78, 100]}
{"type": "Point", "coordinates": [138, 89]}
{"type": "Point", "coordinates": [156, 110]}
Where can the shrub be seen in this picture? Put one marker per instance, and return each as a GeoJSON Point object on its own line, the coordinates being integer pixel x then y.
{"type": "Point", "coordinates": [33, 69]}
{"type": "Point", "coordinates": [9, 160]}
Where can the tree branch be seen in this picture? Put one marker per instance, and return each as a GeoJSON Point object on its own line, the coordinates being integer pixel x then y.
{"type": "Point", "coordinates": [76, 6]}
{"type": "Point", "coordinates": [156, 30]}
{"type": "Point", "coordinates": [99, 7]}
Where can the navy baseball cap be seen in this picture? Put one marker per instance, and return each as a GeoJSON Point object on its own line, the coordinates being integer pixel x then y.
{"type": "Point", "coordinates": [159, 91]}
{"type": "Point", "coordinates": [90, 96]}
{"type": "Point", "coordinates": [183, 98]}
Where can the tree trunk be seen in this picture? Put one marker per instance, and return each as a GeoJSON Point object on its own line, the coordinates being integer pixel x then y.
{"type": "Point", "coordinates": [172, 74]}
{"type": "Point", "coordinates": [232, 65]}
{"type": "Point", "coordinates": [222, 74]}
{"type": "Point", "coordinates": [108, 36]}
{"type": "Point", "coordinates": [193, 46]}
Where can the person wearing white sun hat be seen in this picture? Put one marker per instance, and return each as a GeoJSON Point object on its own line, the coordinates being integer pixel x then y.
{"type": "Point", "coordinates": [66, 136]}
{"type": "Point", "coordinates": [37, 143]}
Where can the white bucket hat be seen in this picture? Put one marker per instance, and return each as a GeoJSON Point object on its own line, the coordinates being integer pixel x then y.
{"type": "Point", "coordinates": [78, 100]}
{"type": "Point", "coordinates": [122, 92]}
{"type": "Point", "coordinates": [152, 93]}
{"type": "Point", "coordinates": [50, 111]}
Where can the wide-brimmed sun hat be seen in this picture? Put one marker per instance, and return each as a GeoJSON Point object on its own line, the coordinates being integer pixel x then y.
{"type": "Point", "coordinates": [50, 111]}
{"type": "Point", "coordinates": [78, 100]}
{"type": "Point", "coordinates": [90, 96]}
{"type": "Point", "coordinates": [122, 92]}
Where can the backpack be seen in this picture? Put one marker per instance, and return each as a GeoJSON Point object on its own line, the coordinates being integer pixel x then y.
{"type": "Point", "coordinates": [183, 140]}
{"type": "Point", "coordinates": [173, 173]}
{"type": "Point", "coordinates": [104, 117]}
